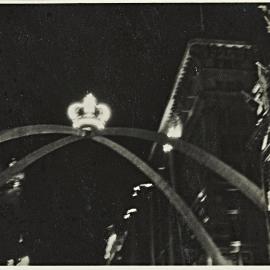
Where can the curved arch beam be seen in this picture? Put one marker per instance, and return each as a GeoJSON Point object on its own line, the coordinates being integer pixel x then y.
{"type": "Point", "coordinates": [34, 156]}
{"type": "Point", "coordinates": [202, 157]}
{"type": "Point", "coordinates": [24, 131]}
{"type": "Point", "coordinates": [180, 206]}
{"type": "Point", "coordinates": [198, 230]}
{"type": "Point", "coordinates": [252, 191]}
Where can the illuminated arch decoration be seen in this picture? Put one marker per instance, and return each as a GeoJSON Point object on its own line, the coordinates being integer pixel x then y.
{"type": "Point", "coordinates": [88, 114]}
{"type": "Point", "coordinates": [199, 231]}
{"type": "Point", "coordinates": [90, 124]}
{"type": "Point", "coordinates": [235, 178]}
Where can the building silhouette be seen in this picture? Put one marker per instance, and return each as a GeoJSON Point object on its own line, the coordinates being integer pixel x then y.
{"type": "Point", "coordinates": [215, 104]}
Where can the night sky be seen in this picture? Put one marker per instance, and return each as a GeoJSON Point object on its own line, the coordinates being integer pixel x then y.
{"type": "Point", "coordinates": [127, 55]}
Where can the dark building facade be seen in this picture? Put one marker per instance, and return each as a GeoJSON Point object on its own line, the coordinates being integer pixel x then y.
{"type": "Point", "coordinates": [215, 104]}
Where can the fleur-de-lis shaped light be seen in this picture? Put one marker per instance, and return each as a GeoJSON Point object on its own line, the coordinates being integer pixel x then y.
{"type": "Point", "coordinates": [89, 113]}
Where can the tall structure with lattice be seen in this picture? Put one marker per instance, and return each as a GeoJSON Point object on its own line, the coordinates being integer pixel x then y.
{"type": "Point", "coordinates": [215, 106]}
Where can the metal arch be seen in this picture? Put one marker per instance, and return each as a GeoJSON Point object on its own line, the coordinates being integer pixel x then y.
{"type": "Point", "coordinates": [203, 237]}
{"type": "Point", "coordinates": [24, 131]}
{"type": "Point", "coordinates": [34, 156]}
{"type": "Point", "coordinates": [236, 179]}
{"type": "Point", "coordinates": [181, 207]}
{"type": "Point", "coordinates": [252, 191]}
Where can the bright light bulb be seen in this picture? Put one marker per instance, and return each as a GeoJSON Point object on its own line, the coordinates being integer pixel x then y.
{"type": "Point", "coordinates": [127, 216]}
{"type": "Point", "coordinates": [137, 188]}
{"type": "Point", "coordinates": [132, 210]}
{"type": "Point", "coordinates": [147, 185]}
{"type": "Point", "coordinates": [167, 148]}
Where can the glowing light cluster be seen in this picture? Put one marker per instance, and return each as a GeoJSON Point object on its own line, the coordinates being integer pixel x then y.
{"type": "Point", "coordinates": [126, 216]}
{"type": "Point", "coordinates": [16, 179]}
{"type": "Point", "coordinates": [89, 113]}
{"type": "Point", "coordinates": [174, 132]}
{"type": "Point", "coordinates": [129, 212]}
{"type": "Point", "coordinates": [202, 196]}
{"type": "Point", "coordinates": [132, 210]}
{"type": "Point", "coordinates": [136, 189]}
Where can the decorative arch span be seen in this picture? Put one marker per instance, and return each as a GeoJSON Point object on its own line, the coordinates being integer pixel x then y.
{"type": "Point", "coordinates": [247, 187]}
{"type": "Point", "coordinates": [181, 207]}
{"type": "Point", "coordinates": [203, 237]}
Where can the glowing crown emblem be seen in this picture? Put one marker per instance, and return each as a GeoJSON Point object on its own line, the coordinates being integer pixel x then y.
{"type": "Point", "coordinates": [88, 113]}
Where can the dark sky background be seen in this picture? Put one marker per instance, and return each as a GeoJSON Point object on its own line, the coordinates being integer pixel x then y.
{"type": "Point", "coordinates": [127, 55]}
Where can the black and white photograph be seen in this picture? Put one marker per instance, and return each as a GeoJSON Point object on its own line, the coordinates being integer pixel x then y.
{"type": "Point", "coordinates": [134, 134]}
